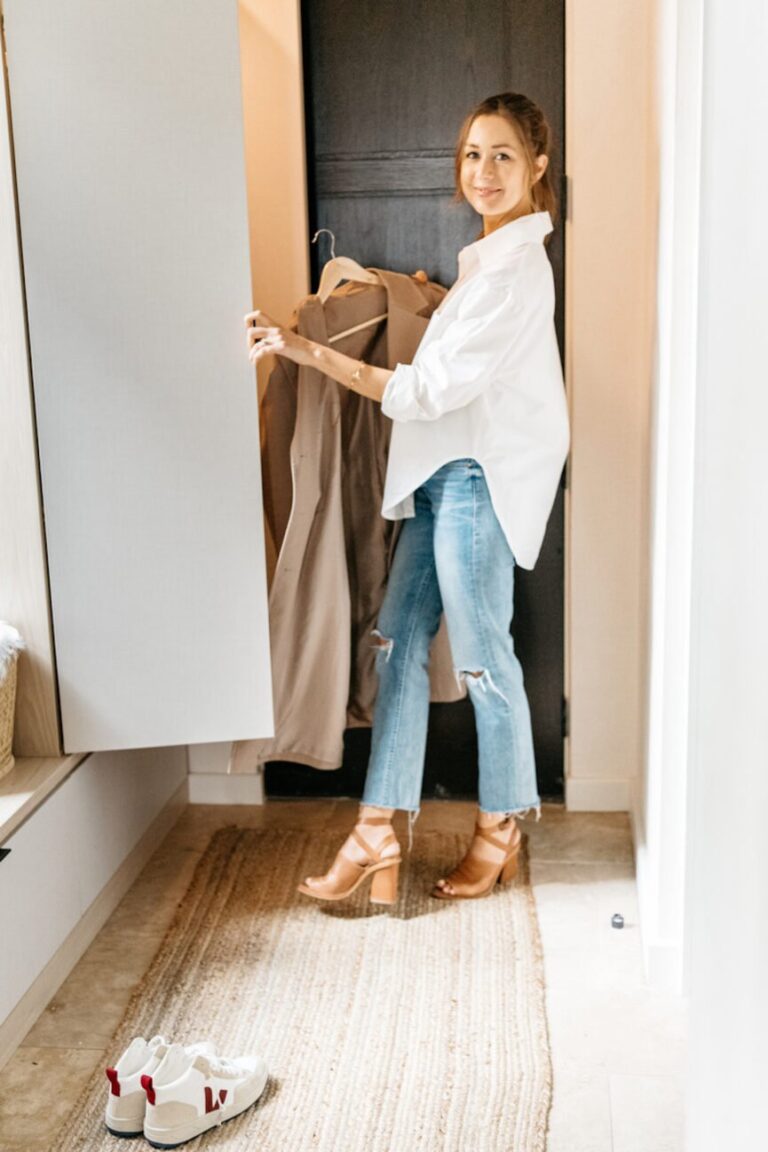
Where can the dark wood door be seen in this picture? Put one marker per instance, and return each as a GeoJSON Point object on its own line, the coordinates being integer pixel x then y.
{"type": "Point", "coordinates": [387, 86]}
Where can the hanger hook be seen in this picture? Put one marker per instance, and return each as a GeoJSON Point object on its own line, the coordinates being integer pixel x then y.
{"type": "Point", "coordinates": [333, 240]}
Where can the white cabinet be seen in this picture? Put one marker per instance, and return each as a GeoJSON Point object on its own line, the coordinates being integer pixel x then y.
{"type": "Point", "coordinates": [127, 129]}
{"type": "Point", "coordinates": [61, 859]}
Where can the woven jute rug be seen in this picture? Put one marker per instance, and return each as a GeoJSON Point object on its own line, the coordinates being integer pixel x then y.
{"type": "Point", "coordinates": [416, 1028]}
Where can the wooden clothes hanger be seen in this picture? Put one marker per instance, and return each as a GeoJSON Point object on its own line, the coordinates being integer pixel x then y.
{"type": "Point", "coordinates": [340, 268]}
{"type": "Point", "coordinates": [343, 268]}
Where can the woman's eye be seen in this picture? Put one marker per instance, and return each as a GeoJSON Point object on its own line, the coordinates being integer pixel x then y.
{"type": "Point", "coordinates": [503, 155]}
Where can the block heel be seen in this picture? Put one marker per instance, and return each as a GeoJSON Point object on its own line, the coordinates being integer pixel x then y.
{"type": "Point", "coordinates": [384, 884]}
{"type": "Point", "coordinates": [509, 871]}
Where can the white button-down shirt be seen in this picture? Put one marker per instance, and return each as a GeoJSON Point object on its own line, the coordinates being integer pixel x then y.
{"type": "Point", "coordinates": [487, 382]}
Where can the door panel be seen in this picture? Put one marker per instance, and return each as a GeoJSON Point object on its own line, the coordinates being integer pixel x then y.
{"type": "Point", "coordinates": [127, 126]}
{"type": "Point", "coordinates": [386, 89]}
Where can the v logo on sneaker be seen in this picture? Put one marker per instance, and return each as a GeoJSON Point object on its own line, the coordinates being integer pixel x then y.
{"type": "Point", "coordinates": [213, 1102]}
{"type": "Point", "coordinates": [193, 1093]}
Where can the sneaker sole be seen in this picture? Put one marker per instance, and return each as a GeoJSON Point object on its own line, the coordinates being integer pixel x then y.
{"type": "Point", "coordinates": [117, 1126]}
{"type": "Point", "coordinates": [182, 1135]}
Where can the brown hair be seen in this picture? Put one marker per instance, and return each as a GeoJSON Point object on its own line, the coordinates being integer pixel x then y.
{"type": "Point", "coordinates": [535, 134]}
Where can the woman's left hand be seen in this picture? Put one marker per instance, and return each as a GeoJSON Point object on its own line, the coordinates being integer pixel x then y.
{"type": "Point", "coordinates": [267, 336]}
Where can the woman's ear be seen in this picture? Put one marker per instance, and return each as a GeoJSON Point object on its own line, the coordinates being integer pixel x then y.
{"type": "Point", "coordinates": [540, 167]}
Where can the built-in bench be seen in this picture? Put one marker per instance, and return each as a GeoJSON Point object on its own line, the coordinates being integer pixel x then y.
{"type": "Point", "coordinates": [77, 830]}
{"type": "Point", "coordinates": [27, 785]}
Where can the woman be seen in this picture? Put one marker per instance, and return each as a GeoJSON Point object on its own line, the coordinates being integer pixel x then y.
{"type": "Point", "coordinates": [479, 439]}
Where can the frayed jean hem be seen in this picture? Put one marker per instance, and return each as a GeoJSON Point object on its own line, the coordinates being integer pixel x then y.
{"type": "Point", "coordinates": [519, 813]}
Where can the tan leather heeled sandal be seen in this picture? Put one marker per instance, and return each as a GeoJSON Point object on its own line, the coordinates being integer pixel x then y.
{"type": "Point", "coordinates": [475, 876]}
{"type": "Point", "coordinates": [346, 874]}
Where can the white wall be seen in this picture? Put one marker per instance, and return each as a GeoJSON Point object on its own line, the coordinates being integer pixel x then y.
{"type": "Point", "coordinates": [659, 797]}
{"type": "Point", "coordinates": [611, 159]}
{"type": "Point", "coordinates": [275, 159]}
{"type": "Point", "coordinates": [726, 957]}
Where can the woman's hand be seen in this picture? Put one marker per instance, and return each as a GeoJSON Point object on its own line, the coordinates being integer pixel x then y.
{"type": "Point", "coordinates": [266, 335]}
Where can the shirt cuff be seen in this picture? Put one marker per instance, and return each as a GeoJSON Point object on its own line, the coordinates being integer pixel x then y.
{"type": "Point", "coordinates": [398, 401]}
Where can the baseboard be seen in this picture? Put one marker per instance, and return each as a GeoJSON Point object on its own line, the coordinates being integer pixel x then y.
{"type": "Point", "coordinates": [662, 957]}
{"type": "Point", "coordinates": [225, 788]}
{"type": "Point", "coordinates": [15, 1026]}
{"type": "Point", "coordinates": [596, 795]}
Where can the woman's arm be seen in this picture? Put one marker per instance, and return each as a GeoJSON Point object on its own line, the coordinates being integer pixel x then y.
{"type": "Point", "coordinates": [265, 336]}
{"type": "Point", "coordinates": [370, 381]}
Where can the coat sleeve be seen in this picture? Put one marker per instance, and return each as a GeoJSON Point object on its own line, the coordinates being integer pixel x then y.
{"type": "Point", "coordinates": [453, 368]}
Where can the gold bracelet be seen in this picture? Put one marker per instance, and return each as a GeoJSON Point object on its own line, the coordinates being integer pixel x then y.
{"type": "Point", "coordinates": [355, 378]}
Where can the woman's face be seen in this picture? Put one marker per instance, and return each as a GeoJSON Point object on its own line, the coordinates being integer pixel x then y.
{"type": "Point", "coordinates": [494, 171]}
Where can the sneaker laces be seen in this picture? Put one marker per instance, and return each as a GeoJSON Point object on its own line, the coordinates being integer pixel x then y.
{"type": "Point", "coordinates": [220, 1066]}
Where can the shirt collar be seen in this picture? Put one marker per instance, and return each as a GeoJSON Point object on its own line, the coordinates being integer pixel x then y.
{"type": "Point", "coordinates": [491, 250]}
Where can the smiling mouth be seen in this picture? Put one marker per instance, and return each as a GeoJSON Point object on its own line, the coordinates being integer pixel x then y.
{"type": "Point", "coordinates": [487, 191]}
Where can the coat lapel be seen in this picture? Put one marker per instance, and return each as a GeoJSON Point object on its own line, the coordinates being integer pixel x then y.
{"type": "Point", "coordinates": [409, 306]}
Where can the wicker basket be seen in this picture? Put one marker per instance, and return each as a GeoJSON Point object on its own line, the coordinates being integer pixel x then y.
{"type": "Point", "coordinates": [10, 645]}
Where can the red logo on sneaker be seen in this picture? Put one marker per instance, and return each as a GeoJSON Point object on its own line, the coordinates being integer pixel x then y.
{"type": "Point", "coordinates": [149, 1088]}
{"type": "Point", "coordinates": [114, 1081]}
{"type": "Point", "coordinates": [211, 1102]}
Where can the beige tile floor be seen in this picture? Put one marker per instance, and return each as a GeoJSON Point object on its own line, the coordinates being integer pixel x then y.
{"type": "Point", "coordinates": [617, 1046]}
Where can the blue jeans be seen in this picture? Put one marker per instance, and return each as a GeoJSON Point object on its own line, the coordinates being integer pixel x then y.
{"type": "Point", "coordinates": [452, 556]}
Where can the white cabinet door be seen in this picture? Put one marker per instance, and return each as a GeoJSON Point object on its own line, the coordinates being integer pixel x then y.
{"type": "Point", "coordinates": [127, 124]}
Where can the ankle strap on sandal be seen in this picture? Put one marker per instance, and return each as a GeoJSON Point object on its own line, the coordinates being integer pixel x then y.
{"type": "Point", "coordinates": [486, 834]}
{"type": "Point", "coordinates": [374, 852]}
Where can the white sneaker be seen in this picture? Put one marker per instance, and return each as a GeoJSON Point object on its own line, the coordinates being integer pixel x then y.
{"type": "Point", "coordinates": [127, 1100]}
{"type": "Point", "coordinates": [188, 1094]}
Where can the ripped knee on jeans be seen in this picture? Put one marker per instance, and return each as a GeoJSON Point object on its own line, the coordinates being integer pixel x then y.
{"type": "Point", "coordinates": [483, 678]}
{"type": "Point", "coordinates": [382, 643]}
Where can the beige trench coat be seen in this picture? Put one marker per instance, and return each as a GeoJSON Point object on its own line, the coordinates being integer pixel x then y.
{"type": "Point", "coordinates": [324, 458]}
